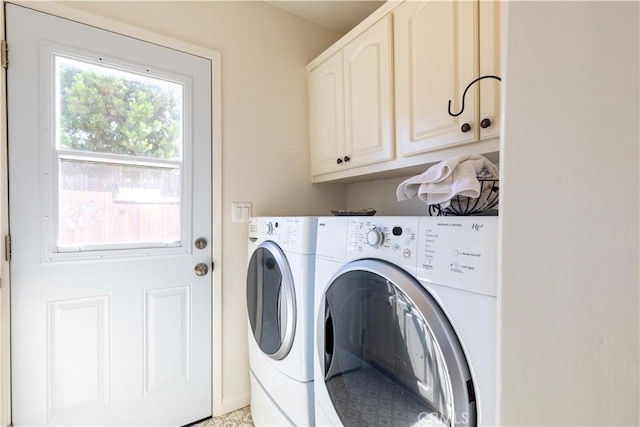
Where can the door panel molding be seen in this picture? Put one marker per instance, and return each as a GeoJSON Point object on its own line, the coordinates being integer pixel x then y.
{"type": "Point", "coordinates": [160, 338]}
{"type": "Point", "coordinates": [81, 324]}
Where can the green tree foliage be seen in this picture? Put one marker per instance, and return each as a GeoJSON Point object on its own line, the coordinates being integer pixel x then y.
{"type": "Point", "coordinates": [108, 114]}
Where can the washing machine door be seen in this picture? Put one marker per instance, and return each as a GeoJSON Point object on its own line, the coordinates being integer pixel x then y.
{"type": "Point", "coordinates": [271, 300]}
{"type": "Point", "coordinates": [391, 356]}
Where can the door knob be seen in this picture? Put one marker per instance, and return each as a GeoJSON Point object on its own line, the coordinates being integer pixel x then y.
{"type": "Point", "coordinates": [201, 269]}
{"type": "Point", "coordinates": [465, 128]}
{"type": "Point", "coordinates": [485, 123]}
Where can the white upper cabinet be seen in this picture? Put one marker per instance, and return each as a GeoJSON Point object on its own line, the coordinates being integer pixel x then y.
{"type": "Point", "coordinates": [368, 96]}
{"type": "Point", "coordinates": [379, 97]}
{"type": "Point", "coordinates": [326, 115]}
{"type": "Point", "coordinates": [350, 103]}
{"type": "Point", "coordinates": [440, 47]}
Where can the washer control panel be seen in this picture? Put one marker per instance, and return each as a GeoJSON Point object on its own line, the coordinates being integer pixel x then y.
{"type": "Point", "coordinates": [459, 252]}
{"type": "Point", "coordinates": [393, 239]}
{"type": "Point", "coordinates": [297, 234]}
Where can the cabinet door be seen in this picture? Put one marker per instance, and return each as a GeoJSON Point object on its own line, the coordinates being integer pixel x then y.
{"type": "Point", "coordinates": [368, 108]}
{"type": "Point", "coordinates": [490, 38]}
{"type": "Point", "coordinates": [435, 56]}
{"type": "Point", "coordinates": [326, 116]}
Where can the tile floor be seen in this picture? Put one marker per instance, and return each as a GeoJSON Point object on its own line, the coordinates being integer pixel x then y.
{"type": "Point", "coordinates": [239, 418]}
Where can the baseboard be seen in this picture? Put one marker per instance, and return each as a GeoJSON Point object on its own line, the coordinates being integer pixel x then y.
{"type": "Point", "coordinates": [233, 403]}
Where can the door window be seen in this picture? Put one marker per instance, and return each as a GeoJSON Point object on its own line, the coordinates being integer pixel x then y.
{"type": "Point", "coordinates": [119, 144]}
{"type": "Point", "coordinates": [383, 364]}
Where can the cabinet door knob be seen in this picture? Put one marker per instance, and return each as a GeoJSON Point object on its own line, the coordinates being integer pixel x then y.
{"type": "Point", "coordinates": [347, 158]}
{"type": "Point", "coordinates": [485, 123]}
{"type": "Point", "coordinates": [339, 160]}
{"type": "Point", "coordinates": [465, 127]}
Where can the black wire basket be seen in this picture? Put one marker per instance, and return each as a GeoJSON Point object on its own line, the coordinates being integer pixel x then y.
{"type": "Point", "coordinates": [465, 206]}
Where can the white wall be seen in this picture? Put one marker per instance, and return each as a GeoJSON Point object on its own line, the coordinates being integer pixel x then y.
{"type": "Point", "coordinates": [265, 157]}
{"type": "Point", "coordinates": [570, 197]}
{"type": "Point", "coordinates": [381, 195]}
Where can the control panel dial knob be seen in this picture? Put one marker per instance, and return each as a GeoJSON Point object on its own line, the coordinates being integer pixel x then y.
{"type": "Point", "coordinates": [268, 228]}
{"type": "Point", "coordinates": [375, 237]}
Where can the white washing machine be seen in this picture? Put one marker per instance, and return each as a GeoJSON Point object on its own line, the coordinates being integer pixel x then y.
{"type": "Point", "coordinates": [280, 311]}
{"type": "Point", "coordinates": [405, 319]}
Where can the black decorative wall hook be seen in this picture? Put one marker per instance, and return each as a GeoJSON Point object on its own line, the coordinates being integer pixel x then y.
{"type": "Point", "coordinates": [465, 93]}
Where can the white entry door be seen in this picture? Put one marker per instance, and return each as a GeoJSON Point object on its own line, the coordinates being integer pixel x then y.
{"type": "Point", "coordinates": [110, 218]}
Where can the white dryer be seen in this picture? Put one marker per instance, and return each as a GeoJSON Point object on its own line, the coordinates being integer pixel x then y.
{"type": "Point", "coordinates": [280, 309]}
{"type": "Point", "coordinates": [405, 319]}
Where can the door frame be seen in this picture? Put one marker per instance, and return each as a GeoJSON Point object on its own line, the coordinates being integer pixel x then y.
{"type": "Point", "coordinates": [73, 14]}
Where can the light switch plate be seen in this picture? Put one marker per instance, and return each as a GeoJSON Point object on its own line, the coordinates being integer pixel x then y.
{"type": "Point", "coordinates": [240, 211]}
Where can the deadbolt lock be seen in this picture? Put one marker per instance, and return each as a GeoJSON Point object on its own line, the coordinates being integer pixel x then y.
{"type": "Point", "coordinates": [200, 243]}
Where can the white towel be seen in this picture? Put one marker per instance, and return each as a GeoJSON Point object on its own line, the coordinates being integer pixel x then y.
{"type": "Point", "coordinates": [447, 179]}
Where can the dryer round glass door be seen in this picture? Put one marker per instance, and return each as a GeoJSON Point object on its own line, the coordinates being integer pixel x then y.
{"type": "Point", "coordinates": [391, 356]}
{"type": "Point", "coordinates": [271, 303]}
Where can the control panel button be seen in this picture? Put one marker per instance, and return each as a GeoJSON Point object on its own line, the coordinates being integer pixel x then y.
{"type": "Point", "coordinates": [397, 231]}
{"type": "Point", "coordinates": [407, 253]}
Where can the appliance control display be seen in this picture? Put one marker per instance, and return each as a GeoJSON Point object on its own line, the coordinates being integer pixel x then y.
{"type": "Point", "coordinates": [459, 252]}
{"type": "Point", "coordinates": [294, 234]}
{"type": "Point", "coordinates": [290, 233]}
{"type": "Point", "coordinates": [393, 239]}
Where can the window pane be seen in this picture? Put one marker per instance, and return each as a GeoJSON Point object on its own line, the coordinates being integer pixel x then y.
{"type": "Point", "coordinates": [105, 110]}
{"type": "Point", "coordinates": [106, 203]}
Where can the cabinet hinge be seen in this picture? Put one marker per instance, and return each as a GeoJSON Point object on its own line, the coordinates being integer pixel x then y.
{"type": "Point", "coordinates": [4, 54]}
{"type": "Point", "coordinates": [7, 247]}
